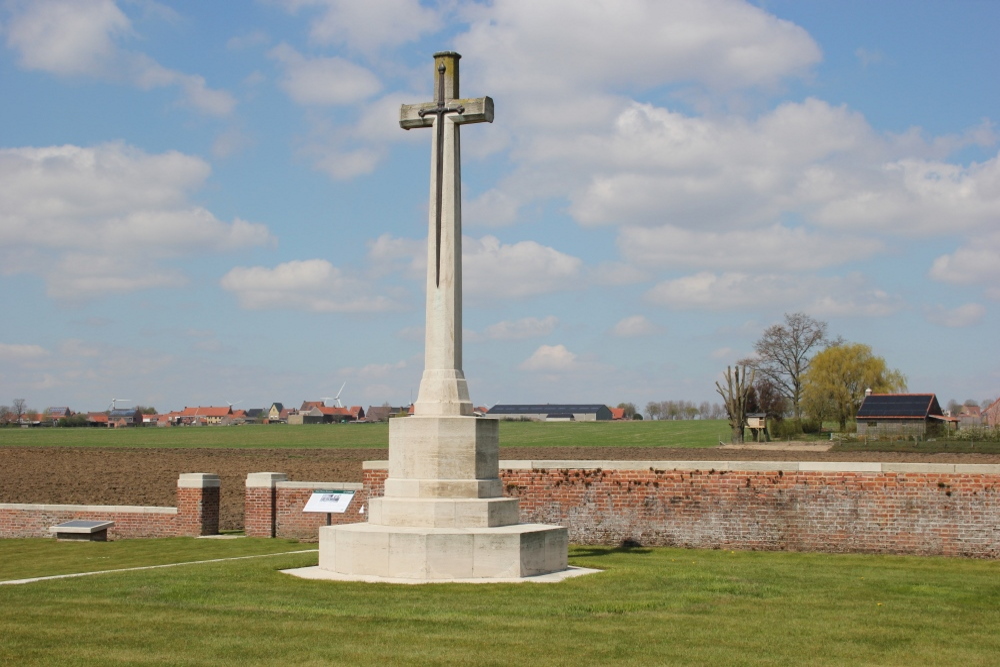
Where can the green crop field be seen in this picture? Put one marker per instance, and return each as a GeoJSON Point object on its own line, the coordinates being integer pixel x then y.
{"type": "Point", "coordinates": [692, 433]}
{"type": "Point", "coordinates": [648, 607]}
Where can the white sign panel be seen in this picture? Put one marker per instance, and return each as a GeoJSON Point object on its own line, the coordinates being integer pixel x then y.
{"type": "Point", "coordinates": [330, 502]}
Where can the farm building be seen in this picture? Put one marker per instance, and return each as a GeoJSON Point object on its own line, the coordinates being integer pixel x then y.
{"type": "Point", "coordinates": [124, 417]}
{"type": "Point", "coordinates": [323, 414]}
{"type": "Point", "coordinates": [901, 414]}
{"type": "Point", "coordinates": [991, 415]}
{"type": "Point", "coordinates": [382, 413]}
{"type": "Point", "coordinates": [580, 412]}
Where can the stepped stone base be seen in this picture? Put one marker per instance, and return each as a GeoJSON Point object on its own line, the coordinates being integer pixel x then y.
{"type": "Point", "coordinates": [365, 551]}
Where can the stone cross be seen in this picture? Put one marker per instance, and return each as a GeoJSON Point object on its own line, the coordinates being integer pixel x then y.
{"type": "Point", "coordinates": [443, 389]}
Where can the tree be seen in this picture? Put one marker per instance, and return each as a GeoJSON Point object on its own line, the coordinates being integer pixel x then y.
{"type": "Point", "coordinates": [18, 408]}
{"type": "Point", "coordinates": [738, 387]}
{"type": "Point", "coordinates": [835, 383]}
{"type": "Point", "coordinates": [769, 399]}
{"type": "Point", "coordinates": [653, 409]}
{"type": "Point", "coordinates": [782, 354]}
{"type": "Point", "coordinates": [629, 409]}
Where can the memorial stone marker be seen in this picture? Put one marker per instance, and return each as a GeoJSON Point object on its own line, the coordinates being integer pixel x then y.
{"type": "Point", "coordinates": [443, 516]}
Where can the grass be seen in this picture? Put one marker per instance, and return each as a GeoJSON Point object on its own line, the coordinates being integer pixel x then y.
{"type": "Point", "coordinates": [512, 434]}
{"type": "Point", "coordinates": [655, 606]}
{"type": "Point", "coordinates": [25, 558]}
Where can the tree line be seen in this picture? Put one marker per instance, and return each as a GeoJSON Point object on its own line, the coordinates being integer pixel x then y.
{"type": "Point", "coordinates": [798, 370]}
{"type": "Point", "coordinates": [684, 410]}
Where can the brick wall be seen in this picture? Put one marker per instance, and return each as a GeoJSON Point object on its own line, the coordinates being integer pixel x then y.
{"type": "Point", "coordinates": [291, 497]}
{"type": "Point", "coordinates": [33, 520]}
{"type": "Point", "coordinates": [197, 513]}
{"type": "Point", "coordinates": [927, 509]}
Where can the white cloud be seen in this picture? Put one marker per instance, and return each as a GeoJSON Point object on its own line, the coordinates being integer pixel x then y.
{"type": "Point", "coordinates": [490, 269]}
{"type": "Point", "coordinates": [67, 37]}
{"type": "Point", "coordinates": [550, 358]}
{"type": "Point", "coordinates": [80, 38]}
{"type": "Point", "coordinates": [644, 43]}
{"type": "Point", "coordinates": [976, 263]}
{"type": "Point", "coordinates": [494, 269]}
{"type": "Point", "coordinates": [913, 197]}
{"type": "Point", "coordinates": [775, 248]}
{"type": "Point", "coordinates": [966, 315]}
{"type": "Point", "coordinates": [14, 352]}
{"type": "Point", "coordinates": [312, 285]}
{"type": "Point", "coordinates": [527, 327]}
{"type": "Point", "coordinates": [98, 220]}
{"type": "Point", "coordinates": [324, 81]}
{"type": "Point", "coordinates": [634, 327]}
{"type": "Point", "coordinates": [368, 26]}
{"type": "Point", "coordinates": [823, 297]}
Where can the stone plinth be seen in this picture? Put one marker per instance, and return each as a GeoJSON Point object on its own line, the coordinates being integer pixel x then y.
{"type": "Point", "coordinates": [443, 554]}
{"type": "Point", "coordinates": [443, 517]}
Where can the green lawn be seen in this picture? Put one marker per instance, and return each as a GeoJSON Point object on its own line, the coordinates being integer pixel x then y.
{"type": "Point", "coordinates": [512, 434]}
{"type": "Point", "coordinates": [649, 607]}
{"type": "Point", "coordinates": [26, 558]}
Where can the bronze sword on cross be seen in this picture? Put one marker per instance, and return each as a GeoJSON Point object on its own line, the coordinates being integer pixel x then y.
{"type": "Point", "coordinates": [477, 110]}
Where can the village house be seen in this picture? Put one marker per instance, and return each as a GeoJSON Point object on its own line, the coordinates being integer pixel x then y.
{"type": "Point", "coordinates": [581, 412]}
{"type": "Point", "coordinates": [204, 415]}
{"type": "Point", "coordinates": [991, 415]}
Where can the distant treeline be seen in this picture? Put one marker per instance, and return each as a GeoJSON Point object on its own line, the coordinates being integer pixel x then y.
{"type": "Point", "coordinates": [684, 410]}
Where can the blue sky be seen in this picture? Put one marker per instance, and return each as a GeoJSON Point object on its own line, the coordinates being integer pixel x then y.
{"type": "Point", "coordinates": [204, 202]}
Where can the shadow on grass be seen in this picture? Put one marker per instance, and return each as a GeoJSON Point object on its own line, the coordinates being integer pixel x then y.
{"type": "Point", "coordinates": [626, 547]}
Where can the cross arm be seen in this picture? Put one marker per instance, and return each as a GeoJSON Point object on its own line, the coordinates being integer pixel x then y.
{"type": "Point", "coordinates": [477, 110]}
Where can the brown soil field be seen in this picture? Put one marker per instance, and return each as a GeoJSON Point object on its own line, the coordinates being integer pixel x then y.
{"type": "Point", "coordinates": [92, 476]}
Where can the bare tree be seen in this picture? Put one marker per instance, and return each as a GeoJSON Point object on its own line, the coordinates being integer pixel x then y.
{"type": "Point", "coordinates": [782, 354]}
{"type": "Point", "coordinates": [18, 408]}
{"type": "Point", "coordinates": [735, 394]}
{"type": "Point", "coordinates": [654, 410]}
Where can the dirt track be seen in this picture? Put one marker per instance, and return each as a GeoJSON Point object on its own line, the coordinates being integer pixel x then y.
{"type": "Point", "coordinates": [149, 476]}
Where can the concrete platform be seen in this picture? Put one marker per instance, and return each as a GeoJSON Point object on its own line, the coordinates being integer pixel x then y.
{"type": "Point", "coordinates": [442, 554]}
{"type": "Point", "coordinates": [320, 574]}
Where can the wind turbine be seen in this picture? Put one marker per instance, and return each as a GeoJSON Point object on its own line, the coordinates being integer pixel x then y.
{"type": "Point", "coordinates": [337, 397]}
{"type": "Point", "coordinates": [114, 402]}
{"type": "Point", "coordinates": [232, 403]}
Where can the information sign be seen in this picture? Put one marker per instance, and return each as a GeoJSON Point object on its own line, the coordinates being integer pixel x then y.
{"type": "Point", "coordinates": [330, 502]}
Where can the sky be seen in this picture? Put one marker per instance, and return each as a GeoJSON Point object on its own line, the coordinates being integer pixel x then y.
{"type": "Point", "coordinates": [212, 202]}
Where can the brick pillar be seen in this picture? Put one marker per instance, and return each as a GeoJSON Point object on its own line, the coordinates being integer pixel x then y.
{"type": "Point", "coordinates": [198, 504]}
{"type": "Point", "coordinates": [259, 511]}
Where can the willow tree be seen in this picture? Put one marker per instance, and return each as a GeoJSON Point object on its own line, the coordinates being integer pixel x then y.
{"type": "Point", "coordinates": [735, 396]}
{"type": "Point", "coordinates": [834, 386]}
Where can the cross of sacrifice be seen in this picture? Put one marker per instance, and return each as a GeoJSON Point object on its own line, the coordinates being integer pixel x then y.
{"type": "Point", "coordinates": [443, 389]}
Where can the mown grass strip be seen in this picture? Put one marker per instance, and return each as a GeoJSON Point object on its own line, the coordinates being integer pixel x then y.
{"type": "Point", "coordinates": [26, 558]}
{"type": "Point", "coordinates": [649, 606]}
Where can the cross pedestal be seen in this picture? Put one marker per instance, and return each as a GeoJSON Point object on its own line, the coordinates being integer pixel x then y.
{"type": "Point", "coordinates": [443, 516]}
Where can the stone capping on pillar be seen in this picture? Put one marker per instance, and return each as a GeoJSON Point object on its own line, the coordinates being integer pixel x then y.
{"type": "Point", "coordinates": [322, 486]}
{"type": "Point", "coordinates": [198, 480]}
{"type": "Point", "coordinates": [259, 515]}
{"type": "Point", "coordinates": [198, 504]}
{"type": "Point", "coordinates": [751, 466]}
{"type": "Point", "coordinates": [265, 480]}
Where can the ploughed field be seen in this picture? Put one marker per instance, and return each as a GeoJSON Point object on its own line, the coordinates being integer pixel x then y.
{"type": "Point", "coordinates": [148, 476]}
